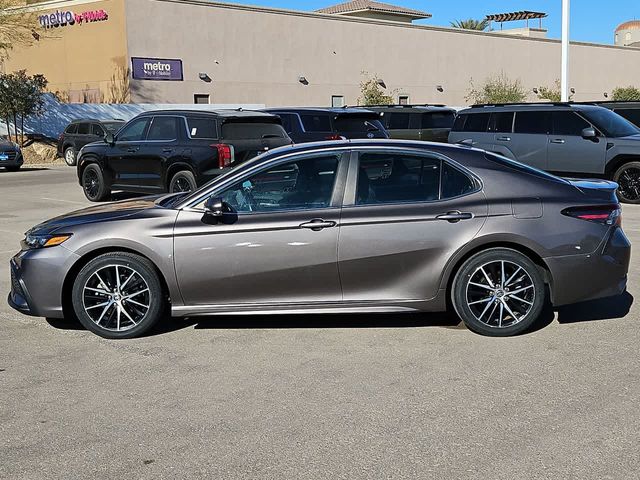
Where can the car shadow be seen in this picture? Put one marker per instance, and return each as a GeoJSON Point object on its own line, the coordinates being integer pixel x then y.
{"type": "Point", "coordinates": [24, 169]}
{"type": "Point", "coordinates": [609, 308]}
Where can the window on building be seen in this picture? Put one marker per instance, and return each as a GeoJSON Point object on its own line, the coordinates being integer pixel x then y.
{"type": "Point", "coordinates": [532, 122]}
{"type": "Point", "coordinates": [568, 123]}
{"type": "Point", "coordinates": [163, 128]}
{"type": "Point", "coordinates": [337, 101]}
{"type": "Point", "coordinates": [201, 98]}
{"type": "Point", "coordinates": [403, 99]}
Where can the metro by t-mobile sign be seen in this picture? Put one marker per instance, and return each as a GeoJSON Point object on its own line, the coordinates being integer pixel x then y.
{"type": "Point", "coordinates": [156, 68]}
{"type": "Point", "coordinates": [67, 17]}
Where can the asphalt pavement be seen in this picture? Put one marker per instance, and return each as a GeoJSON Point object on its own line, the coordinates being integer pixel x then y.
{"type": "Point", "coordinates": [313, 397]}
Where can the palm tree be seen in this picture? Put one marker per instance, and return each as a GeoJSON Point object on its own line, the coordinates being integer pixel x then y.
{"type": "Point", "coordinates": [471, 24]}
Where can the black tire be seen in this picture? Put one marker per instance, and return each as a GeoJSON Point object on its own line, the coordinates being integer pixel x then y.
{"type": "Point", "coordinates": [93, 183]}
{"type": "Point", "coordinates": [481, 306]}
{"type": "Point", "coordinates": [70, 156]}
{"type": "Point", "coordinates": [182, 181]}
{"type": "Point", "coordinates": [99, 312]}
{"type": "Point", "coordinates": [13, 168]}
{"type": "Point", "coordinates": [628, 179]}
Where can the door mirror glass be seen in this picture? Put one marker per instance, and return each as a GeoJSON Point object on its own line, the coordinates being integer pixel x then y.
{"type": "Point", "coordinates": [214, 206]}
{"type": "Point", "coordinates": [589, 133]}
{"type": "Point", "coordinates": [109, 138]}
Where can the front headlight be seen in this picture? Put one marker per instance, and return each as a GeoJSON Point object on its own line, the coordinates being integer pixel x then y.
{"type": "Point", "coordinates": [41, 241]}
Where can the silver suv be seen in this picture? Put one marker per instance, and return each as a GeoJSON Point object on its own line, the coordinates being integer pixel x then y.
{"type": "Point", "coordinates": [564, 138]}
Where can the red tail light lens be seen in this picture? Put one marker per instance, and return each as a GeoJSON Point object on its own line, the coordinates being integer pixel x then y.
{"type": "Point", "coordinates": [225, 154]}
{"type": "Point", "coordinates": [335, 136]}
{"type": "Point", "coordinates": [605, 214]}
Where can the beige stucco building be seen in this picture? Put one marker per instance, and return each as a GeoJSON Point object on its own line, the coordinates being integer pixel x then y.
{"type": "Point", "coordinates": [187, 51]}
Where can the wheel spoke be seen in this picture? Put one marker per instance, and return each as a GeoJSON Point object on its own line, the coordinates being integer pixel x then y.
{"type": "Point", "coordinates": [515, 297]}
{"type": "Point", "coordinates": [103, 312]}
{"type": "Point", "coordinates": [98, 305]}
{"type": "Point", "coordinates": [488, 299]}
{"type": "Point", "coordinates": [117, 278]}
{"type": "Point", "coordinates": [480, 285]}
{"type": "Point", "coordinates": [487, 277]}
{"type": "Point", "coordinates": [515, 292]}
{"type": "Point", "coordinates": [136, 294]}
{"type": "Point", "coordinates": [122, 287]}
{"type": "Point", "coordinates": [124, 310]}
{"type": "Point", "coordinates": [98, 290]}
{"type": "Point", "coordinates": [137, 303]}
{"type": "Point", "coordinates": [106, 287]}
{"type": "Point", "coordinates": [118, 308]}
{"type": "Point", "coordinates": [485, 310]}
{"type": "Point", "coordinates": [515, 317]}
{"type": "Point", "coordinates": [502, 273]}
{"type": "Point", "coordinates": [501, 314]}
{"type": "Point", "coordinates": [506, 284]}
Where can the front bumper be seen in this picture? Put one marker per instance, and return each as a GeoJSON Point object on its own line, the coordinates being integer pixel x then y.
{"type": "Point", "coordinates": [14, 159]}
{"type": "Point", "coordinates": [37, 278]}
{"type": "Point", "coordinates": [603, 273]}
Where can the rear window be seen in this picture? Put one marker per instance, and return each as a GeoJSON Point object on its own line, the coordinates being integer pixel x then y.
{"type": "Point", "coordinates": [358, 124]}
{"type": "Point", "coordinates": [316, 123]}
{"type": "Point", "coordinates": [477, 122]}
{"type": "Point", "coordinates": [438, 120]}
{"type": "Point", "coordinates": [532, 122]}
{"type": "Point", "coordinates": [250, 130]}
{"type": "Point", "coordinates": [112, 126]}
{"type": "Point", "coordinates": [73, 128]}
{"type": "Point", "coordinates": [200, 127]}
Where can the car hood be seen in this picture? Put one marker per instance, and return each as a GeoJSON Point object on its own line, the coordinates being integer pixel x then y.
{"type": "Point", "coordinates": [98, 213]}
{"type": "Point", "coordinates": [629, 140]}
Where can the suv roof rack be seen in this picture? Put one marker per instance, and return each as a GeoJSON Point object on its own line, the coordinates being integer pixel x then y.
{"type": "Point", "coordinates": [402, 105]}
{"type": "Point", "coordinates": [524, 104]}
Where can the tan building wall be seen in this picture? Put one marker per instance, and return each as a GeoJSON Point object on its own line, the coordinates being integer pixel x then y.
{"type": "Point", "coordinates": [80, 59]}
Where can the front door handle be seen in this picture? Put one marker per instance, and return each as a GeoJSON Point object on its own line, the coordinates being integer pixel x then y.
{"type": "Point", "coordinates": [317, 224]}
{"type": "Point", "coordinates": [455, 216]}
{"type": "Point", "coordinates": [556, 140]}
{"type": "Point", "coordinates": [504, 139]}
{"type": "Point", "coordinates": [167, 150]}
{"type": "Point", "coordinates": [132, 149]}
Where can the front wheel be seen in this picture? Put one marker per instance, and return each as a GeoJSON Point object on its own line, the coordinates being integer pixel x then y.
{"type": "Point", "coordinates": [628, 179]}
{"type": "Point", "coordinates": [499, 292]}
{"type": "Point", "coordinates": [93, 183]}
{"type": "Point", "coordinates": [118, 295]}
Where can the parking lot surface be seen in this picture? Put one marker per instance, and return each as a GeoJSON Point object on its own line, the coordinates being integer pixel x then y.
{"type": "Point", "coordinates": [365, 396]}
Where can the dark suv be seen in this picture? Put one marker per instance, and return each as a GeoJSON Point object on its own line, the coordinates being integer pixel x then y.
{"type": "Point", "coordinates": [175, 150]}
{"type": "Point", "coordinates": [317, 124]}
{"type": "Point", "coordinates": [430, 123]}
{"type": "Point", "coordinates": [628, 110]}
{"type": "Point", "coordinates": [81, 132]}
{"type": "Point", "coordinates": [569, 139]}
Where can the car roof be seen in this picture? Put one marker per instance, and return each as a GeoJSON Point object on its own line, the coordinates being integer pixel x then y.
{"type": "Point", "coordinates": [409, 108]}
{"type": "Point", "coordinates": [533, 107]}
{"type": "Point", "coordinates": [223, 113]}
{"type": "Point", "coordinates": [318, 110]}
{"type": "Point", "coordinates": [96, 120]}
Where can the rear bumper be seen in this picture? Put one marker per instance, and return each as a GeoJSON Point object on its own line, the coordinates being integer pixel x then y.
{"type": "Point", "coordinates": [577, 278]}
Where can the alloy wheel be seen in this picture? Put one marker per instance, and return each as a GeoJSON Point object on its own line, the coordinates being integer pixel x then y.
{"type": "Point", "coordinates": [69, 157]}
{"type": "Point", "coordinates": [91, 183]}
{"type": "Point", "coordinates": [500, 293]}
{"type": "Point", "coordinates": [116, 297]}
{"type": "Point", "coordinates": [181, 184]}
{"type": "Point", "coordinates": [629, 183]}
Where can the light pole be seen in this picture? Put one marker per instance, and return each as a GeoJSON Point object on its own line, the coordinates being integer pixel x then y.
{"type": "Point", "coordinates": [564, 82]}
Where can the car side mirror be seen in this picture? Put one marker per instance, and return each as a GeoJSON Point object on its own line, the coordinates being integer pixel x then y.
{"type": "Point", "coordinates": [109, 138]}
{"type": "Point", "coordinates": [214, 207]}
{"type": "Point", "coordinates": [589, 133]}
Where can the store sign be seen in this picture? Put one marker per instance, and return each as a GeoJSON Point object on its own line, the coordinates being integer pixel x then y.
{"type": "Point", "coordinates": [67, 17]}
{"type": "Point", "coordinates": [156, 68]}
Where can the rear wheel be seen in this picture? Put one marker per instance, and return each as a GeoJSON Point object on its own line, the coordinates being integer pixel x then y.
{"type": "Point", "coordinates": [182, 181]}
{"type": "Point", "coordinates": [70, 156]}
{"type": "Point", "coordinates": [498, 292]}
{"type": "Point", "coordinates": [93, 183]}
{"type": "Point", "coordinates": [628, 179]}
{"type": "Point", "coordinates": [118, 295]}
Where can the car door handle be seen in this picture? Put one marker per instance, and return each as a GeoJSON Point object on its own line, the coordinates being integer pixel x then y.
{"type": "Point", "coordinates": [556, 140]}
{"type": "Point", "coordinates": [132, 149]}
{"type": "Point", "coordinates": [504, 139]}
{"type": "Point", "coordinates": [317, 224]}
{"type": "Point", "coordinates": [167, 150]}
{"type": "Point", "coordinates": [455, 216]}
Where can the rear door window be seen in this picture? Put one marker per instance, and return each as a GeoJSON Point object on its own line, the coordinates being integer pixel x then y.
{"type": "Point", "coordinates": [201, 127]}
{"type": "Point", "coordinates": [501, 122]}
{"type": "Point", "coordinates": [97, 130]}
{"type": "Point", "coordinates": [84, 128]}
{"type": "Point", "coordinates": [251, 130]}
{"type": "Point", "coordinates": [437, 120]}
{"type": "Point", "coordinates": [477, 122]}
{"type": "Point", "coordinates": [532, 122]}
{"type": "Point", "coordinates": [316, 122]}
{"type": "Point", "coordinates": [163, 128]}
{"type": "Point", "coordinates": [568, 123]}
{"type": "Point", "coordinates": [459, 122]}
{"type": "Point", "coordinates": [398, 121]}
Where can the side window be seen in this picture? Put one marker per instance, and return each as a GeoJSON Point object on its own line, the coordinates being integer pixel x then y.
{"type": "Point", "coordinates": [568, 123]}
{"type": "Point", "coordinates": [437, 120]}
{"type": "Point", "coordinates": [454, 182]}
{"type": "Point", "coordinates": [316, 123]}
{"type": "Point", "coordinates": [97, 130]}
{"type": "Point", "coordinates": [396, 178]}
{"type": "Point", "coordinates": [459, 122]}
{"type": "Point", "coordinates": [163, 128]}
{"type": "Point", "coordinates": [72, 128]}
{"type": "Point", "coordinates": [200, 127]}
{"type": "Point", "coordinates": [477, 122]}
{"type": "Point", "coordinates": [286, 121]}
{"type": "Point", "coordinates": [84, 128]}
{"type": "Point", "coordinates": [532, 122]}
{"type": "Point", "coordinates": [306, 183]}
{"type": "Point", "coordinates": [501, 122]}
{"type": "Point", "coordinates": [134, 131]}
{"type": "Point", "coordinates": [399, 121]}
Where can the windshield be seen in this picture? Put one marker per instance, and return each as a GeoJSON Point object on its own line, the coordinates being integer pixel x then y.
{"type": "Point", "coordinates": [610, 123]}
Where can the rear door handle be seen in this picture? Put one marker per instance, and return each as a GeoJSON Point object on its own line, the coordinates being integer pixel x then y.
{"type": "Point", "coordinates": [317, 224]}
{"type": "Point", "coordinates": [167, 150]}
{"type": "Point", "coordinates": [132, 149]}
{"type": "Point", "coordinates": [556, 140]}
{"type": "Point", "coordinates": [454, 217]}
{"type": "Point", "coordinates": [504, 139]}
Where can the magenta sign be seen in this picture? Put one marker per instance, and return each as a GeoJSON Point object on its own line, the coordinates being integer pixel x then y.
{"type": "Point", "coordinates": [62, 18]}
{"type": "Point", "coordinates": [156, 68]}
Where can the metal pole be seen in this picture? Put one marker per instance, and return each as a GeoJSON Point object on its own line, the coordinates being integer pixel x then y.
{"type": "Point", "coordinates": [564, 82]}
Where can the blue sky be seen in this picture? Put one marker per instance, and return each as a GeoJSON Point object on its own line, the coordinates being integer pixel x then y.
{"type": "Point", "coordinates": [591, 20]}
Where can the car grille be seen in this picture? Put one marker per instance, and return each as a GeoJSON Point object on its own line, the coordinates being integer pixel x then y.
{"type": "Point", "coordinates": [12, 154]}
{"type": "Point", "coordinates": [16, 288]}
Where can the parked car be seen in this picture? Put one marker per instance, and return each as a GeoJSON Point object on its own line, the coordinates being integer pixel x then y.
{"type": "Point", "coordinates": [628, 110]}
{"type": "Point", "coordinates": [564, 138]}
{"type": "Point", "coordinates": [81, 132]}
{"type": "Point", "coordinates": [317, 124]}
{"type": "Point", "coordinates": [10, 155]}
{"type": "Point", "coordinates": [430, 123]}
{"type": "Point", "coordinates": [345, 226]}
{"type": "Point", "coordinates": [175, 150]}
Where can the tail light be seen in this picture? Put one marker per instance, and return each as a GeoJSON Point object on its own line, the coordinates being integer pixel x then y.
{"type": "Point", "coordinates": [61, 136]}
{"type": "Point", "coordinates": [225, 154]}
{"type": "Point", "coordinates": [604, 214]}
{"type": "Point", "coordinates": [333, 136]}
